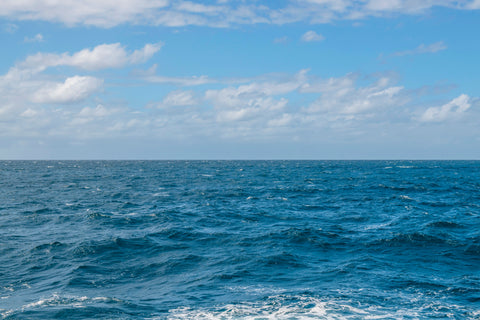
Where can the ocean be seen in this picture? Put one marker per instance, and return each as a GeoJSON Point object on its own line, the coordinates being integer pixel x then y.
{"type": "Point", "coordinates": [239, 239]}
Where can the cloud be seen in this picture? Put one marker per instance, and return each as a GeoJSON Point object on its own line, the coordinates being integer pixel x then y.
{"type": "Point", "coordinates": [29, 94]}
{"type": "Point", "coordinates": [110, 13]}
{"type": "Point", "coordinates": [312, 36]}
{"type": "Point", "coordinates": [61, 106]}
{"type": "Point", "coordinates": [249, 93]}
{"type": "Point", "coordinates": [103, 56]}
{"type": "Point", "coordinates": [180, 81]}
{"type": "Point", "coordinates": [10, 28]}
{"type": "Point", "coordinates": [189, 6]}
{"type": "Point", "coordinates": [179, 98]}
{"type": "Point", "coordinates": [256, 102]}
{"type": "Point", "coordinates": [105, 13]}
{"type": "Point", "coordinates": [342, 97]}
{"type": "Point", "coordinates": [74, 89]}
{"type": "Point", "coordinates": [431, 48]}
{"type": "Point", "coordinates": [450, 110]}
{"type": "Point", "coordinates": [37, 38]}
{"type": "Point", "coordinates": [474, 5]}
{"type": "Point", "coordinates": [25, 83]}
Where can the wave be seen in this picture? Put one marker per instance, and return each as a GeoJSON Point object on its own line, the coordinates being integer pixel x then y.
{"type": "Point", "coordinates": [304, 307]}
{"type": "Point", "coordinates": [58, 306]}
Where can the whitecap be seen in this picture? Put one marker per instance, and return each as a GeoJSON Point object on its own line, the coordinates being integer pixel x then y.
{"type": "Point", "coordinates": [71, 301]}
{"type": "Point", "coordinates": [304, 307]}
{"type": "Point", "coordinates": [161, 194]}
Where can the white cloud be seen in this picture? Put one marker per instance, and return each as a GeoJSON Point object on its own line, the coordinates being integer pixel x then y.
{"type": "Point", "coordinates": [431, 48]}
{"type": "Point", "coordinates": [249, 93]}
{"type": "Point", "coordinates": [474, 5]}
{"type": "Point", "coordinates": [179, 98]}
{"type": "Point", "coordinates": [103, 56]}
{"type": "Point", "coordinates": [341, 96]}
{"type": "Point", "coordinates": [105, 13]}
{"type": "Point", "coordinates": [109, 13]}
{"type": "Point", "coordinates": [74, 89]}
{"type": "Point", "coordinates": [337, 5]}
{"type": "Point", "coordinates": [256, 102]}
{"type": "Point", "coordinates": [180, 81]}
{"type": "Point", "coordinates": [450, 110]}
{"type": "Point", "coordinates": [10, 28]}
{"type": "Point", "coordinates": [99, 111]}
{"type": "Point", "coordinates": [311, 36]}
{"type": "Point", "coordinates": [150, 76]}
{"type": "Point", "coordinates": [25, 83]}
{"type": "Point", "coordinates": [37, 38]}
{"type": "Point", "coordinates": [29, 113]}
{"type": "Point", "coordinates": [283, 120]}
{"type": "Point", "coordinates": [189, 6]}
{"type": "Point", "coordinates": [270, 107]}
{"type": "Point", "coordinates": [406, 6]}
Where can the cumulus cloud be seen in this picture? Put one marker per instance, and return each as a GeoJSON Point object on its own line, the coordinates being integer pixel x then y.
{"type": "Point", "coordinates": [25, 83]}
{"type": "Point", "coordinates": [74, 89]}
{"type": "Point", "coordinates": [110, 13]}
{"type": "Point", "coordinates": [103, 56]}
{"type": "Point", "coordinates": [238, 96]}
{"type": "Point", "coordinates": [312, 36]}
{"type": "Point", "coordinates": [342, 96]}
{"type": "Point", "coordinates": [255, 101]}
{"type": "Point", "coordinates": [431, 48]}
{"type": "Point", "coordinates": [450, 110]}
{"type": "Point", "coordinates": [282, 107]}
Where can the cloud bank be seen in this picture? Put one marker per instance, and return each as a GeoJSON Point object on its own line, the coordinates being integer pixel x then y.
{"type": "Point", "coordinates": [110, 13]}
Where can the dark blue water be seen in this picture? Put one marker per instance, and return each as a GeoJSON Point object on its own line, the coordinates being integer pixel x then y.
{"type": "Point", "coordinates": [239, 240]}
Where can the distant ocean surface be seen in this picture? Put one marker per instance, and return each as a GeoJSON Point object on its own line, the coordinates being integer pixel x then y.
{"type": "Point", "coordinates": [239, 239]}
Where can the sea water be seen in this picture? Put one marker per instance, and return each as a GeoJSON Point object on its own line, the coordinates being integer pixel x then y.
{"type": "Point", "coordinates": [239, 239]}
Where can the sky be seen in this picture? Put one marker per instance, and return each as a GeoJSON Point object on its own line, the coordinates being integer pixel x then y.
{"type": "Point", "coordinates": [239, 79]}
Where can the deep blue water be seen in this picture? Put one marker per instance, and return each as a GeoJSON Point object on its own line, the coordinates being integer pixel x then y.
{"type": "Point", "coordinates": [239, 239]}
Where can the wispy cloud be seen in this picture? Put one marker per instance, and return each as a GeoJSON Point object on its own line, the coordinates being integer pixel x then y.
{"type": "Point", "coordinates": [9, 27]}
{"type": "Point", "coordinates": [421, 49]}
{"type": "Point", "coordinates": [108, 14]}
{"type": "Point", "coordinates": [179, 98]}
{"type": "Point", "coordinates": [281, 40]}
{"type": "Point", "coordinates": [37, 38]}
{"type": "Point", "coordinates": [312, 36]}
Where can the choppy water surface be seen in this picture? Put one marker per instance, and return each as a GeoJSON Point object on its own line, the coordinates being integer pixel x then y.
{"type": "Point", "coordinates": [239, 240]}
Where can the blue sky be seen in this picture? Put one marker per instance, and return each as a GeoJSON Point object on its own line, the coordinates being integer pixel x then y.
{"type": "Point", "coordinates": [239, 79]}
